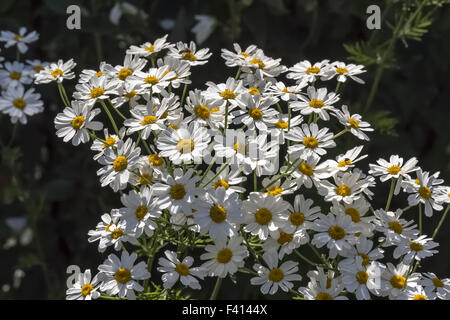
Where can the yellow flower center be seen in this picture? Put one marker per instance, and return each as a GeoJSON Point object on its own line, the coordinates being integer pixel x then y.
{"type": "Point", "coordinates": [109, 142]}
{"type": "Point", "coordinates": [244, 54]}
{"type": "Point", "coordinates": [362, 277]}
{"type": "Point", "coordinates": [396, 227]}
{"type": "Point", "coordinates": [343, 191]}
{"type": "Point", "coordinates": [56, 73]}
{"type": "Point", "coordinates": [130, 94]}
{"type": "Point", "coordinates": [77, 122]}
{"type": "Point", "coordinates": [15, 75]}
{"type": "Point", "coordinates": [221, 183]}
{"type": "Point", "coordinates": [108, 226]}
{"type": "Point", "coordinates": [38, 69]}
{"type": "Point", "coordinates": [263, 216]}
{"type": "Point", "coordinates": [151, 80]}
{"type": "Point", "coordinates": [276, 275]}
{"type": "Point", "coordinates": [425, 192]}
{"type": "Point", "coordinates": [150, 48]}
{"type": "Point", "coordinates": [417, 181]}
{"type": "Point", "coordinates": [182, 269]}
{"type": "Point", "coordinates": [437, 282]}
{"type": "Point", "coordinates": [365, 259]}
{"type": "Point", "coordinates": [281, 124]}
{"type": "Point", "coordinates": [19, 103]}
{"type": "Point", "coordinates": [17, 37]}
{"type": "Point", "coordinates": [397, 282]}
{"type": "Point", "coordinates": [336, 232]}
{"type": "Point", "coordinates": [352, 212]}
{"type": "Point", "coordinates": [306, 169]}
{"type": "Point", "coordinates": [341, 70]}
{"type": "Point", "coordinates": [117, 233]}
{"type": "Point", "coordinates": [140, 212]}
{"type": "Point", "coordinates": [324, 296]}
{"type": "Point", "coordinates": [315, 103]}
{"type": "Point", "coordinates": [310, 142]}
{"type": "Point", "coordinates": [256, 114]}
{"type": "Point", "coordinates": [189, 56]}
{"type": "Point", "coordinates": [253, 91]}
{"type": "Point", "coordinates": [202, 112]}
{"type": "Point", "coordinates": [224, 255]}
{"type": "Point", "coordinates": [414, 246]}
{"type": "Point", "coordinates": [275, 191]}
{"type": "Point", "coordinates": [185, 146]}
{"type": "Point", "coordinates": [345, 162]}
{"type": "Point", "coordinates": [155, 160]}
{"type": "Point", "coordinates": [177, 192]}
{"type": "Point", "coordinates": [99, 74]}
{"type": "Point", "coordinates": [297, 218]}
{"type": "Point", "coordinates": [96, 92]}
{"type": "Point", "coordinates": [353, 123]}
{"type": "Point", "coordinates": [149, 120]}
{"type": "Point", "coordinates": [228, 94]}
{"type": "Point", "coordinates": [285, 90]}
{"type": "Point", "coordinates": [420, 297]}
{"type": "Point", "coordinates": [394, 170]}
{"type": "Point", "coordinates": [239, 148]}
{"type": "Point", "coordinates": [260, 64]}
{"type": "Point", "coordinates": [310, 70]}
{"type": "Point", "coordinates": [218, 213]}
{"type": "Point", "coordinates": [145, 178]}
{"type": "Point", "coordinates": [173, 126]}
{"type": "Point", "coordinates": [86, 289]}
{"type": "Point", "coordinates": [124, 73]}
{"type": "Point", "coordinates": [120, 164]}
{"type": "Point", "coordinates": [122, 275]}
{"type": "Point", "coordinates": [285, 238]}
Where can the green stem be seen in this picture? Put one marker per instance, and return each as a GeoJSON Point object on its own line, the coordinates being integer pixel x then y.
{"type": "Point", "coordinates": [305, 259]}
{"type": "Point", "coordinates": [226, 120]}
{"type": "Point", "coordinates": [338, 86]}
{"type": "Point", "coordinates": [216, 289]}
{"type": "Point", "coordinates": [63, 95]}
{"type": "Point", "coordinates": [238, 73]}
{"type": "Point", "coordinates": [208, 169]}
{"type": "Point", "coordinates": [117, 110]}
{"type": "Point", "coordinates": [216, 175]}
{"type": "Point", "coordinates": [116, 130]}
{"type": "Point", "coordinates": [441, 221]}
{"type": "Point", "coordinates": [255, 181]}
{"type": "Point", "coordinates": [391, 193]}
{"type": "Point", "coordinates": [338, 134]}
{"type": "Point", "coordinates": [286, 173]}
{"type": "Point", "coordinates": [420, 218]}
{"type": "Point", "coordinates": [184, 93]}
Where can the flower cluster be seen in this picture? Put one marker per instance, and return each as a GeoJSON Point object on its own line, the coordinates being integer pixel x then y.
{"type": "Point", "coordinates": [17, 96]}
{"type": "Point", "coordinates": [226, 174]}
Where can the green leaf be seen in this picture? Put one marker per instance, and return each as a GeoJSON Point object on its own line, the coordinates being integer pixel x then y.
{"type": "Point", "coordinates": [383, 122]}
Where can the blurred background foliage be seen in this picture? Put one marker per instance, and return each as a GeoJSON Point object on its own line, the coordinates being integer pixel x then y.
{"type": "Point", "coordinates": [54, 187]}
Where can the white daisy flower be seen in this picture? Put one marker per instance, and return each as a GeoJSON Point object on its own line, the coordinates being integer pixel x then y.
{"type": "Point", "coordinates": [442, 194]}
{"type": "Point", "coordinates": [85, 287]}
{"type": "Point", "coordinates": [18, 103]}
{"type": "Point", "coordinates": [178, 192]}
{"type": "Point", "coordinates": [283, 125]}
{"type": "Point", "coordinates": [347, 187]}
{"type": "Point", "coordinates": [318, 102]}
{"type": "Point", "coordinates": [322, 287]}
{"type": "Point", "coordinates": [257, 112]}
{"type": "Point", "coordinates": [229, 92]}
{"type": "Point", "coordinates": [189, 53]}
{"type": "Point", "coordinates": [291, 93]}
{"type": "Point", "coordinates": [87, 74]}
{"type": "Point", "coordinates": [224, 258]}
{"type": "Point", "coordinates": [140, 210]}
{"type": "Point", "coordinates": [392, 169]}
{"type": "Point", "coordinates": [75, 122]}
{"type": "Point", "coordinates": [277, 188]}
{"type": "Point", "coordinates": [180, 220]}
{"type": "Point", "coordinates": [203, 110]}
{"type": "Point", "coordinates": [225, 177]}
{"type": "Point", "coordinates": [239, 57]}
{"type": "Point", "coordinates": [393, 227]}
{"type": "Point", "coordinates": [130, 92]}
{"type": "Point", "coordinates": [149, 48]}
{"type": "Point", "coordinates": [156, 79]}
{"type": "Point", "coordinates": [20, 39]}
{"type": "Point", "coordinates": [301, 217]}
{"type": "Point", "coordinates": [219, 214]}
{"type": "Point", "coordinates": [353, 122]}
{"type": "Point", "coordinates": [434, 286]}
{"type": "Point", "coordinates": [395, 279]}
{"type": "Point", "coordinates": [15, 74]}
{"type": "Point", "coordinates": [349, 158]}
{"type": "Point", "coordinates": [264, 213]}
{"type": "Point", "coordinates": [309, 172]}
{"type": "Point", "coordinates": [131, 64]}
{"type": "Point", "coordinates": [414, 293]}
{"type": "Point", "coordinates": [337, 232]}
{"type": "Point", "coordinates": [425, 192]}
{"type": "Point", "coordinates": [110, 140]}
{"type": "Point", "coordinates": [312, 140]}
{"type": "Point", "coordinates": [344, 71]}
{"type": "Point", "coordinates": [304, 71]}
{"type": "Point", "coordinates": [180, 68]}
{"type": "Point", "coordinates": [274, 277]}
{"type": "Point", "coordinates": [357, 210]}
{"type": "Point", "coordinates": [37, 65]}
{"type": "Point", "coordinates": [97, 88]}
{"type": "Point", "coordinates": [58, 72]}
{"type": "Point", "coordinates": [120, 276]}
{"type": "Point", "coordinates": [118, 164]}
{"type": "Point", "coordinates": [283, 243]}
{"type": "Point", "coordinates": [263, 65]}
{"type": "Point", "coordinates": [103, 227]}
{"type": "Point", "coordinates": [185, 144]}
{"type": "Point", "coordinates": [364, 250]}
{"type": "Point", "coordinates": [363, 279]}
{"type": "Point", "coordinates": [415, 249]}
{"type": "Point", "coordinates": [147, 119]}
{"type": "Point", "coordinates": [175, 269]}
